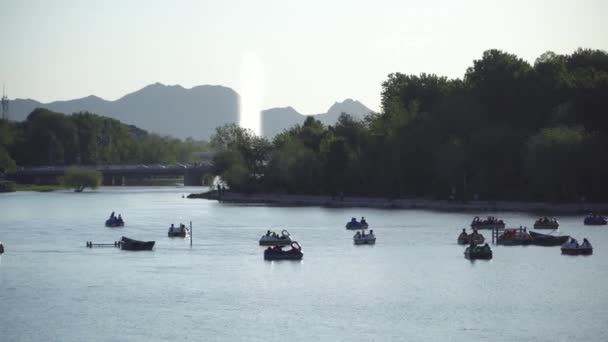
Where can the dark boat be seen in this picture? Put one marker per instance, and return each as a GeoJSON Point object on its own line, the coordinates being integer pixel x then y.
{"type": "Point", "coordinates": [277, 252]}
{"type": "Point", "coordinates": [353, 224]}
{"type": "Point", "coordinates": [180, 231]}
{"type": "Point", "coordinates": [478, 252]}
{"type": "Point", "coordinates": [136, 245]}
{"type": "Point", "coordinates": [1, 247]}
{"type": "Point", "coordinates": [113, 223]}
{"type": "Point", "coordinates": [465, 239]}
{"type": "Point", "coordinates": [595, 220]}
{"type": "Point", "coordinates": [548, 240]}
{"type": "Point", "coordinates": [514, 237]}
{"type": "Point", "coordinates": [546, 223]}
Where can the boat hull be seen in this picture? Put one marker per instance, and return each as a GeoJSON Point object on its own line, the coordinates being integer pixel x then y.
{"type": "Point", "coordinates": [136, 245]}
{"type": "Point", "coordinates": [480, 254]}
{"type": "Point", "coordinates": [546, 226]}
{"type": "Point", "coordinates": [114, 224]}
{"type": "Point", "coordinates": [466, 241]}
{"type": "Point", "coordinates": [595, 222]}
{"type": "Point", "coordinates": [364, 241]}
{"type": "Point", "coordinates": [272, 255]}
{"type": "Point", "coordinates": [548, 240]}
{"type": "Point", "coordinates": [488, 226]}
{"type": "Point", "coordinates": [577, 251]}
{"type": "Point", "coordinates": [177, 234]}
{"type": "Point", "coordinates": [275, 242]}
{"type": "Point", "coordinates": [356, 226]}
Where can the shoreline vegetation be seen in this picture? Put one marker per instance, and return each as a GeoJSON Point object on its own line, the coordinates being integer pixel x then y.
{"type": "Point", "coordinates": [270, 199]}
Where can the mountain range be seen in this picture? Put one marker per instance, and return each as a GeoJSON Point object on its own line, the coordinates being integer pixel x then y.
{"type": "Point", "coordinates": [181, 112]}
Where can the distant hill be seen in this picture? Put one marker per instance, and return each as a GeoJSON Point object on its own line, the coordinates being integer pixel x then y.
{"type": "Point", "coordinates": [181, 112]}
{"type": "Point", "coordinates": [276, 120]}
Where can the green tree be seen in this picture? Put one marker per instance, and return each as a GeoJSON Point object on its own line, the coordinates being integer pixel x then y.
{"type": "Point", "coordinates": [79, 178]}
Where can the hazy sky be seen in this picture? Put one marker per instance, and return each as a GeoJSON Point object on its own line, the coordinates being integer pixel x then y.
{"type": "Point", "coordinates": [308, 54]}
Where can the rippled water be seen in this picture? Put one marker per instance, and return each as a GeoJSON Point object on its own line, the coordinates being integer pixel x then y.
{"type": "Point", "coordinates": [414, 284]}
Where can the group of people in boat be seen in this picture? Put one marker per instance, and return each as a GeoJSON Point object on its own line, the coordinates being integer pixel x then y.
{"type": "Point", "coordinates": [488, 220]}
{"type": "Point", "coordinates": [547, 220]}
{"type": "Point", "coordinates": [181, 228]}
{"type": "Point", "coordinates": [573, 243]}
{"type": "Point", "coordinates": [362, 234]}
{"type": "Point", "coordinates": [115, 220]}
{"type": "Point", "coordinates": [275, 235]}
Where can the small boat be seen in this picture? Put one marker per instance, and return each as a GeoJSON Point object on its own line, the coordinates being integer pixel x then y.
{"type": "Point", "coordinates": [548, 240]}
{"type": "Point", "coordinates": [514, 237]}
{"type": "Point", "coordinates": [180, 231]}
{"type": "Point", "coordinates": [273, 239]}
{"type": "Point", "coordinates": [364, 239]}
{"type": "Point", "coordinates": [136, 245]}
{"type": "Point", "coordinates": [465, 239]}
{"type": "Point", "coordinates": [114, 221]}
{"type": "Point", "coordinates": [489, 223]}
{"type": "Point", "coordinates": [546, 223]}
{"type": "Point", "coordinates": [1, 248]}
{"type": "Point", "coordinates": [353, 224]}
{"type": "Point", "coordinates": [277, 252]}
{"type": "Point", "coordinates": [595, 220]}
{"type": "Point", "coordinates": [478, 252]}
{"type": "Point", "coordinates": [573, 248]}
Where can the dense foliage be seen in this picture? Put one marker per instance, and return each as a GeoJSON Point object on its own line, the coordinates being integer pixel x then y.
{"type": "Point", "coordinates": [507, 130]}
{"type": "Point", "coordinates": [49, 138]}
{"type": "Point", "coordinates": [80, 178]}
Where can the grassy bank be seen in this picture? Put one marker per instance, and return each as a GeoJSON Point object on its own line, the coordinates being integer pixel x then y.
{"type": "Point", "coordinates": [36, 187]}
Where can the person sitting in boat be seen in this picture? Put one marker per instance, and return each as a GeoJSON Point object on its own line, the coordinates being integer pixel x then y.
{"type": "Point", "coordinates": [363, 220]}
{"type": "Point", "coordinates": [371, 232]}
{"type": "Point", "coordinates": [463, 235]}
{"type": "Point", "coordinates": [172, 228]}
{"type": "Point", "coordinates": [586, 244]}
{"type": "Point", "coordinates": [119, 220]}
{"type": "Point", "coordinates": [112, 216]}
{"type": "Point", "coordinates": [475, 233]}
{"type": "Point", "coordinates": [268, 233]}
{"type": "Point", "coordinates": [358, 235]}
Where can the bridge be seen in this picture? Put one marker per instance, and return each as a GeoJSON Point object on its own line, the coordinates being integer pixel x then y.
{"type": "Point", "coordinates": [193, 174]}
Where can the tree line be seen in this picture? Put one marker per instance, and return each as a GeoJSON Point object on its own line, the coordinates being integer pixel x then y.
{"type": "Point", "coordinates": [507, 130]}
{"type": "Point", "coordinates": [50, 138]}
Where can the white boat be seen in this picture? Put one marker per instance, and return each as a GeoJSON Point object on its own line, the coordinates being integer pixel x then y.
{"type": "Point", "coordinates": [274, 239]}
{"type": "Point", "coordinates": [364, 239]}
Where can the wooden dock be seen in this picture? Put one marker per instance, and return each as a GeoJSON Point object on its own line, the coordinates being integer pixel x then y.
{"type": "Point", "coordinates": [90, 244]}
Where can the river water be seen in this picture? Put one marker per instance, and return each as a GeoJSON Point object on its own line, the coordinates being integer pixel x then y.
{"type": "Point", "coordinates": [414, 284]}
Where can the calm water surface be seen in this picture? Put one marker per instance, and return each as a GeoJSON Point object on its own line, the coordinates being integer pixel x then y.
{"type": "Point", "coordinates": [414, 284]}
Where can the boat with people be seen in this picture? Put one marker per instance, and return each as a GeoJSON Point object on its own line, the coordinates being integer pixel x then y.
{"type": "Point", "coordinates": [594, 219]}
{"type": "Point", "coordinates": [181, 231]}
{"type": "Point", "coordinates": [546, 223]}
{"type": "Point", "coordinates": [514, 237]}
{"type": "Point", "coordinates": [474, 252]}
{"type": "Point", "coordinates": [490, 222]}
{"type": "Point", "coordinates": [277, 252]}
{"type": "Point", "coordinates": [572, 247]}
{"type": "Point", "coordinates": [115, 221]}
{"type": "Point", "coordinates": [353, 224]}
{"type": "Point", "coordinates": [539, 239]}
{"type": "Point", "coordinates": [465, 239]}
{"type": "Point", "coordinates": [136, 245]}
{"type": "Point", "coordinates": [273, 239]}
{"type": "Point", "coordinates": [360, 238]}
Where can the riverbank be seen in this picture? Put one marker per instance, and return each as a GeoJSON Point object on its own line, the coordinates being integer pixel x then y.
{"type": "Point", "coordinates": [39, 188]}
{"type": "Point", "coordinates": [402, 203]}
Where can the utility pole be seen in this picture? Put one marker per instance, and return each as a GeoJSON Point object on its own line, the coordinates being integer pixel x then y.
{"type": "Point", "coordinates": [5, 114]}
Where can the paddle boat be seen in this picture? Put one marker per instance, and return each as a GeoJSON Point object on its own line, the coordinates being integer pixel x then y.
{"type": "Point", "coordinates": [273, 239]}
{"type": "Point", "coordinates": [354, 225]}
{"type": "Point", "coordinates": [595, 220]}
{"type": "Point", "coordinates": [1, 248]}
{"type": "Point", "coordinates": [489, 223]}
{"type": "Point", "coordinates": [277, 252]}
{"type": "Point", "coordinates": [573, 248]}
{"type": "Point", "coordinates": [474, 252]}
{"type": "Point", "coordinates": [514, 237]}
{"type": "Point", "coordinates": [181, 231]}
{"type": "Point", "coordinates": [364, 239]}
{"type": "Point", "coordinates": [136, 245]}
{"type": "Point", "coordinates": [465, 239]}
{"type": "Point", "coordinates": [115, 221]}
{"type": "Point", "coordinates": [546, 223]}
{"type": "Point", "coordinates": [548, 240]}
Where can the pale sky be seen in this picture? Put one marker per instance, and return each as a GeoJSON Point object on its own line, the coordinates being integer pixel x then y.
{"type": "Point", "coordinates": [310, 53]}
